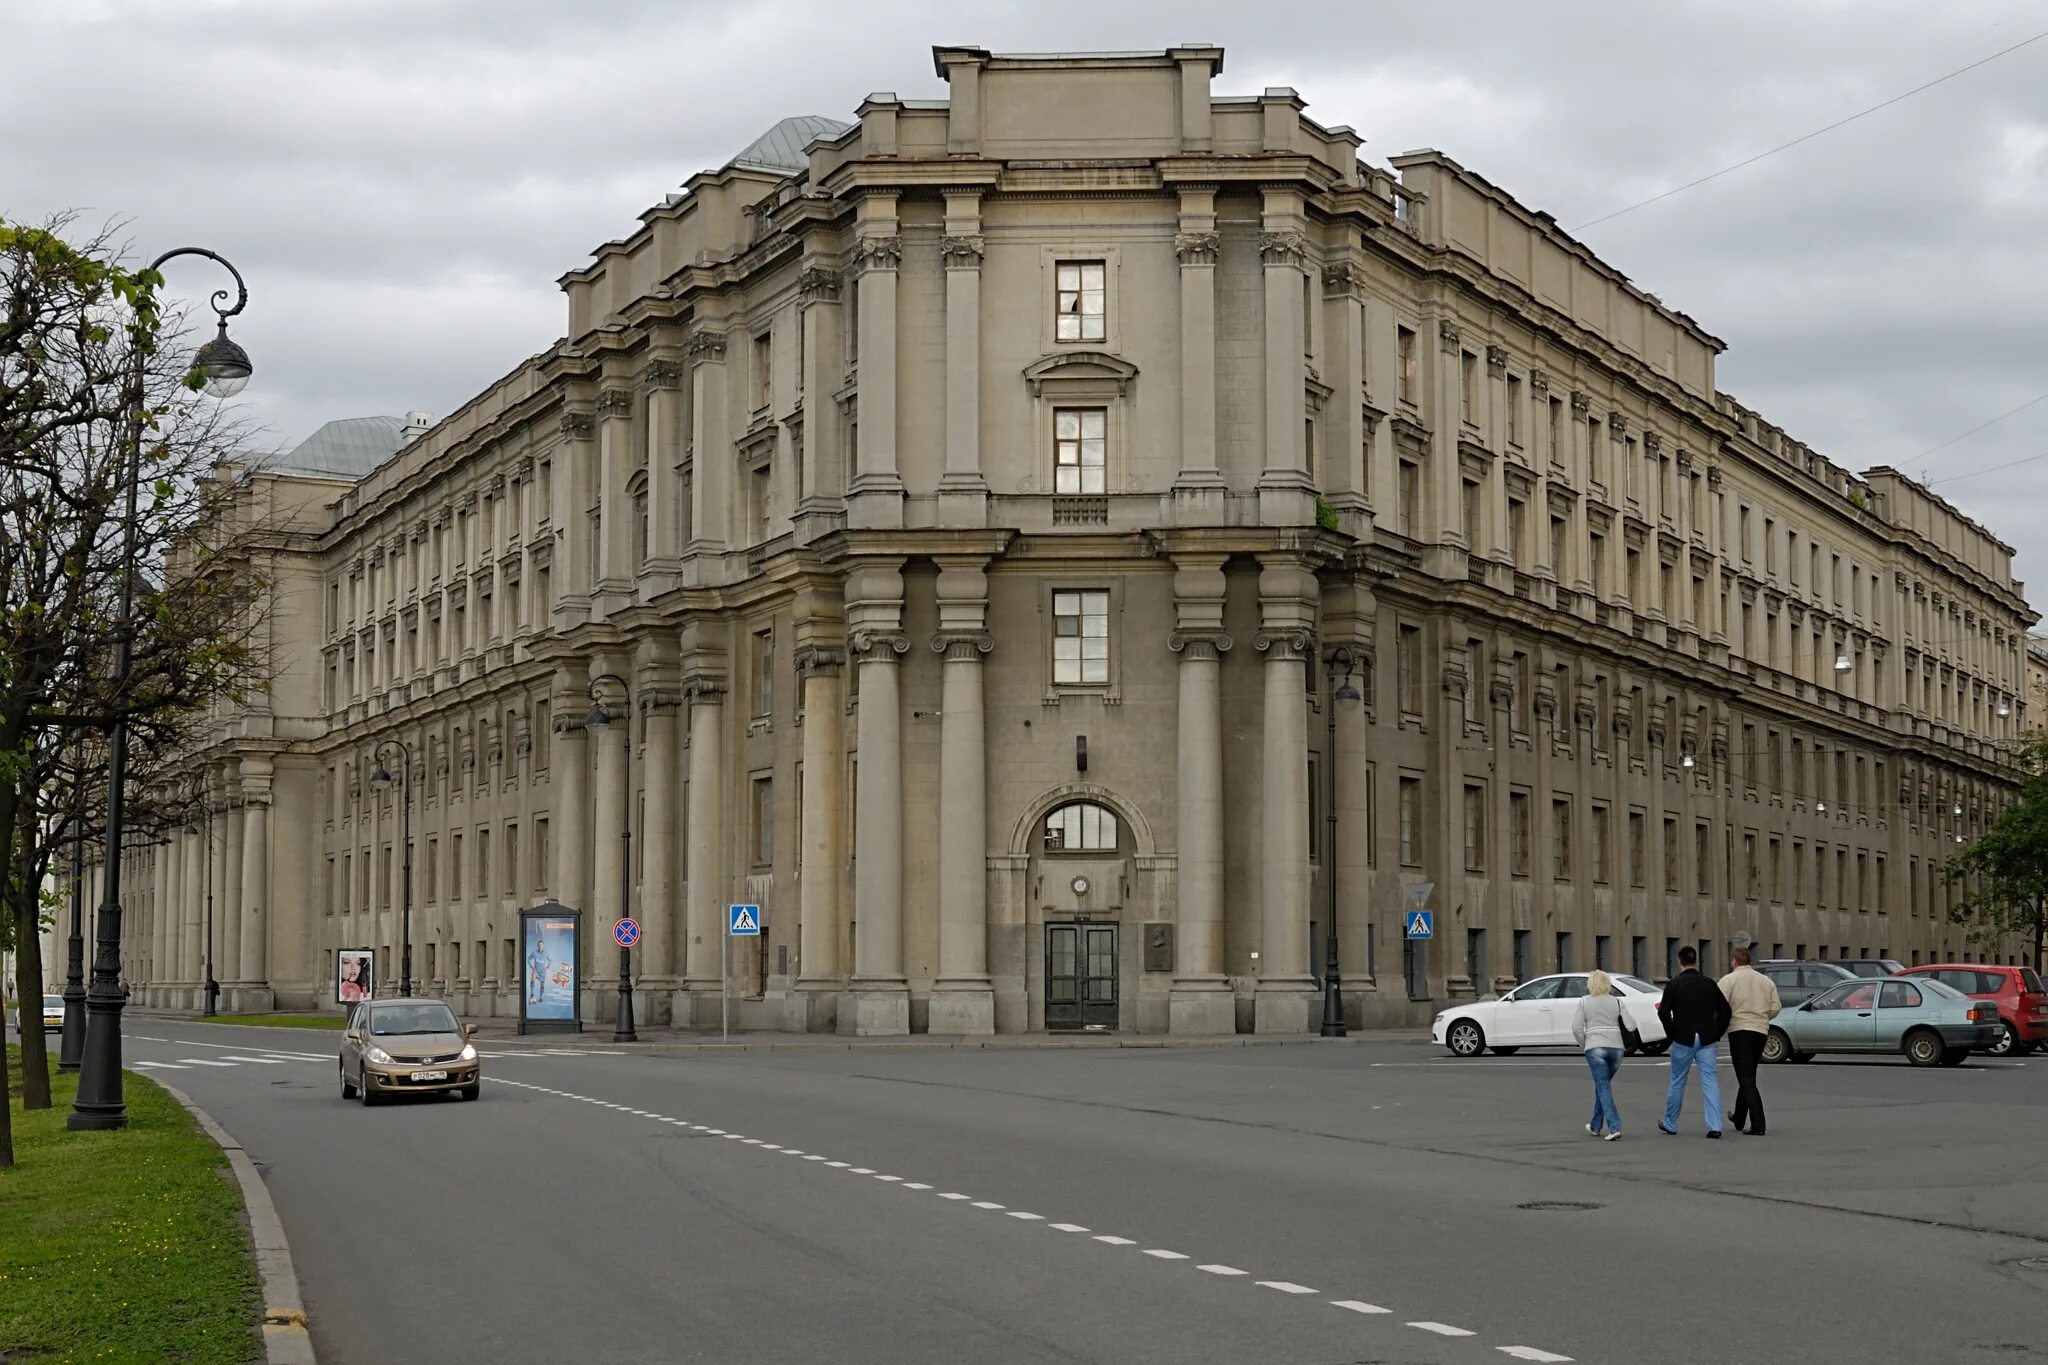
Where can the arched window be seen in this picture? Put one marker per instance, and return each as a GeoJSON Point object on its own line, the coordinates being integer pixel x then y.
{"type": "Point", "coordinates": [1081, 827]}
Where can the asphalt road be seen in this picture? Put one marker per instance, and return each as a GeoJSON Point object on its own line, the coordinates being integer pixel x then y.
{"type": "Point", "coordinates": [1315, 1204]}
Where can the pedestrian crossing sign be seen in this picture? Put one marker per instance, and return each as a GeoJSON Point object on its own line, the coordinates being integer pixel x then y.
{"type": "Point", "coordinates": [1421, 924]}
{"type": "Point", "coordinates": [745, 921]}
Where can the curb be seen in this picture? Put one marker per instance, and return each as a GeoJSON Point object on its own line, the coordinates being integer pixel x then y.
{"type": "Point", "coordinates": [666, 1047]}
{"type": "Point", "coordinates": [285, 1339]}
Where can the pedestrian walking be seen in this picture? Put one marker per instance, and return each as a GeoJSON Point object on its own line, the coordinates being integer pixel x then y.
{"type": "Point", "coordinates": [1695, 1015]}
{"type": "Point", "coordinates": [1597, 1026]}
{"type": "Point", "coordinates": [1753, 1002]}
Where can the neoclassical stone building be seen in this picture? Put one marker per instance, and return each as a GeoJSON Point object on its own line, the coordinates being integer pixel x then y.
{"type": "Point", "coordinates": [970, 517]}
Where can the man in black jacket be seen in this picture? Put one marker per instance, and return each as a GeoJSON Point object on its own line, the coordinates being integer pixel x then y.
{"type": "Point", "coordinates": [1695, 1015]}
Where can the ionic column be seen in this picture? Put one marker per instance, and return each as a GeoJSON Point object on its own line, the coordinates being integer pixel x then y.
{"type": "Point", "coordinates": [963, 492]}
{"type": "Point", "coordinates": [227, 910]}
{"type": "Point", "coordinates": [574, 460]}
{"type": "Point", "coordinates": [607, 858]}
{"type": "Point", "coordinates": [1198, 489]}
{"type": "Point", "coordinates": [962, 1001]}
{"type": "Point", "coordinates": [711, 444]}
{"type": "Point", "coordinates": [1286, 991]}
{"type": "Point", "coordinates": [1287, 495]}
{"type": "Point", "coordinates": [255, 961]}
{"type": "Point", "coordinates": [170, 901]}
{"type": "Point", "coordinates": [818, 966]}
{"type": "Point", "coordinates": [614, 467]}
{"type": "Point", "coordinates": [704, 687]}
{"type": "Point", "coordinates": [569, 784]}
{"type": "Point", "coordinates": [822, 476]}
{"type": "Point", "coordinates": [875, 496]}
{"type": "Point", "coordinates": [1201, 1000]}
{"type": "Point", "coordinates": [659, 701]}
{"type": "Point", "coordinates": [663, 380]}
{"type": "Point", "coordinates": [191, 948]}
{"type": "Point", "coordinates": [877, 1000]}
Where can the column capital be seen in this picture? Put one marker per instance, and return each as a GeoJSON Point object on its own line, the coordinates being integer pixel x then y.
{"type": "Point", "coordinates": [877, 253]}
{"type": "Point", "coordinates": [1448, 336]}
{"type": "Point", "coordinates": [1200, 644]}
{"type": "Point", "coordinates": [1197, 248]}
{"type": "Point", "coordinates": [1283, 249]}
{"type": "Point", "coordinates": [615, 403]}
{"type": "Point", "coordinates": [1284, 644]}
{"type": "Point", "coordinates": [576, 424]}
{"type": "Point", "coordinates": [662, 698]}
{"type": "Point", "coordinates": [962, 251]}
{"type": "Point", "coordinates": [705, 688]}
{"type": "Point", "coordinates": [666, 373]}
{"type": "Point", "coordinates": [818, 284]}
{"type": "Point", "coordinates": [707, 348]}
{"type": "Point", "coordinates": [962, 646]}
{"type": "Point", "coordinates": [819, 660]}
{"type": "Point", "coordinates": [877, 646]}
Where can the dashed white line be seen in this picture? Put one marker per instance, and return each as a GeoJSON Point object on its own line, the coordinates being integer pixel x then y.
{"type": "Point", "coordinates": [263, 1061]}
{"type": "Point", "coordinates": [1220, 1269]}
{"type": "Point", "coordinates": [914, 1185]}
{"type": "Point", "coordinates": [863, 1170]}
{"type": "Point", "coordinates": [1358, 1306]}
{"type": "Point", "coordinates": [840, 1165]}
{"type": "Point", "coordinates": [1027, 1217]}
{"type": "Point", "coordinates": [889, 1179]}
{"type": "Point", "coordinates": [986, 1204]}
{"type": "Point", "coordinates": [158, 1066]}
{"type": "Point", "coordinates": [1442, 1329]}
{"type": "Point", "coordinates": [204, 1061]}
{"type": "Point", "coordinates": [1289, 1287]}
{"type": "Point", "coordinates": [1530, 1353]}
{"type": "Point", "coordinates": [1163, 1254]}
{"type": "Point", "coordinates": [956, 1196]}
{"type": "Point", "coordinates": [1117, 1241]}
{"type": "Point", "coordinates": [1066, 1227]}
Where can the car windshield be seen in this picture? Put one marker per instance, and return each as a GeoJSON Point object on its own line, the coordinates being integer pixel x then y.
{"type": "Point", "coordinates": [1868, 968]}
{"type": "Point", "coordinates": [1940, 988]}
{"type": "Point", "coordinates": [53, 1002]}
{"type": "Point", "coordinates": [1637, 984]}
{"type": "Point", "coordinates": [388, 1021]}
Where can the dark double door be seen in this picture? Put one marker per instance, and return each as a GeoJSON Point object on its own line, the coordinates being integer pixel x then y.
{"type": "Point", "coordinates": [1080, 976]}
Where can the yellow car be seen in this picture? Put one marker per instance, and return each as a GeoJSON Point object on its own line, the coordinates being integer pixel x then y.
{"type": "Point", "coordinates": [408, 1047]}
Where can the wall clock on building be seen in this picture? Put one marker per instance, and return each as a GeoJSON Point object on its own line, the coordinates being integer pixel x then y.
{"type": "Point", "coordinates": [1080, 885]}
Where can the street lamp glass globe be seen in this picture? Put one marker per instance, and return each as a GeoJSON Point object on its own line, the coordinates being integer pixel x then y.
{"type": "Point", "coordinates": [598, 718]}
{"type": "Point", "coordinates": [381, 779]}
{"type": "Point", "coordinates": [226, 365]}
{"type": "Point", "coordinates": [1346, 693]}
{"type": "Point", "coordinates": [1842, 664]}
{"type": "Point", "coordinates": [1686, 762]}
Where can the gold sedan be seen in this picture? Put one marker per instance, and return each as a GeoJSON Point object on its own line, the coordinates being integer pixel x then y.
{"type": "Point", "coordinates": [408, 1047]}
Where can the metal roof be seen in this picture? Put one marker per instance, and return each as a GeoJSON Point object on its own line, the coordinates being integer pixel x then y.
{"type": "Point", "coordinates": [781, 148]}
{"type": "Point", "coordinates": [346, 448]}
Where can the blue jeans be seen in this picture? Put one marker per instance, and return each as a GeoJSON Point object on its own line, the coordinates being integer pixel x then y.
{"type": "Point", "coordinates": [1604, 1061]}
{"type": "Point", "coordinates": [1683, 1058]}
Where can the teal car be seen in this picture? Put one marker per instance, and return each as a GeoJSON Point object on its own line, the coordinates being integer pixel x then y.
{"type": "Point", "coordinates": [1933, 1024]}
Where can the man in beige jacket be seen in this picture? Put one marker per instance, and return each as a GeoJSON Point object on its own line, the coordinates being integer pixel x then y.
{"type": "Point", "coordinates": [1754, 999]}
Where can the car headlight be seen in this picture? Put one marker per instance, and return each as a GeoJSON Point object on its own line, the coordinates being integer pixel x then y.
{"type": "Point", "coordinates": [469, 1052]}
{"type": "Point", "coordinates": [377, 1055]}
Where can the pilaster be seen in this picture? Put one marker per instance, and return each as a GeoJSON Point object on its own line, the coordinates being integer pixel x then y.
{"type": "Point", "coordinates": [875, 496]}
{"type": "Point", "coordinates": [820, 508]}
{"type": "Point", "coordinates": [1200, 1000]}
{"type": "Point", "coordinates": [1199, 497]}
{"type": "Point", "coordinates": [963, 489]}
{"type": "Point", "coordinates": [1287, 494]}
{"type": "Point", "coordinates": [877, 1000]}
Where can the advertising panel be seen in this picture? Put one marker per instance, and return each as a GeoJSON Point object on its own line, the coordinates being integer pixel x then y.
{"type": "Point", "coordinates": [355, 975]}
{"type": "Point", "coordinates": [549, 972]}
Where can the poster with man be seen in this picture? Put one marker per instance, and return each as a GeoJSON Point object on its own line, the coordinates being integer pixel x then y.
{"type": "Point", "coordinates": [548, 966]}
{"type": "Point", "coordinates": [355, 975]}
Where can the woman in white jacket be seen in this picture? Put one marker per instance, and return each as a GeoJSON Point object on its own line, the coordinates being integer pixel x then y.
{"type": "Point", "coordinates": [1597, 1027]}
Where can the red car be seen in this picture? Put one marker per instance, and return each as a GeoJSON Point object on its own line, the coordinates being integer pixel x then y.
{"type": "Point", "coordinates": [2022, 1006]}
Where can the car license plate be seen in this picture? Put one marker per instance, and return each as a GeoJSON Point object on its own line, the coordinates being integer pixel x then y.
{"type": "Point", "coordinates": [430, 1075]}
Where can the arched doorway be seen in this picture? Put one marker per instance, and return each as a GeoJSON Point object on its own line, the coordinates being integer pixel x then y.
{"type": "Point", "coordinates": [1080, 855]}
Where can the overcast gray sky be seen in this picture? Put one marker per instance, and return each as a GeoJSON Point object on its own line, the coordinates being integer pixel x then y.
{"type": "Point", "coordinates": [401, 181]}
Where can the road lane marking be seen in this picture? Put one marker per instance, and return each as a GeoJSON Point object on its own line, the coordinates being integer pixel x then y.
{"type": "Point", "coordinates": [1163, 1254]}
{"type": "Point", "coordinates": [158, 1066]}
{"type": "Point", "coordinates": [986, 1204]}
{"type": "Point", "coordinates": [203, 1061]}
{"type": "Point", "coordinates": [1530, 1353]}
{"type": "Point", "coordinates": [840, 1165]}
{"type": "Point", "coordinates": [1220, 1269]}
{"type": "Point", "coordinates": [889, 1179]}
{"type": "Point", "coordinates": [915, 1185]}
{"type": "Point", "coordinates": [1442, 1329]}
{"type": "Point", "coordinates": [264, 1061]}
{"type": "Point", "coordinates": [1357, 1306]}
{"type": "Point", "coordinates": [863, 1170]}
{"type": "Point", "coordinates": [956, 1196]}
{"type": "Point", "coordinates": [1066, 1227]}
{"type": "Point", "coordinates": [1286, 1286]}
{"type": "Point", "coordinates": [1117, 1241]}
{"type": "Point", "coordinates": [1027, 1217]}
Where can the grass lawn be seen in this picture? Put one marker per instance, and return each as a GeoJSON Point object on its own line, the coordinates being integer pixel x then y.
{"type": "Point", "coordinates": [322, 1021]}
{"type": "Point", "coordinates": [122, 1247]}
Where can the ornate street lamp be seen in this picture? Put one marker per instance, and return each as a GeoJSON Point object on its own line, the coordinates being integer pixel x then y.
{"type": "Point", "coordinates": [1341, 694]}
{"type": "Point", "coordinates": [381, 781]}
{"type": "Point", "coordinates": [99, 1104]}
{"type": "Point", "coordinates": [71, 1046]}
{"type": "Point", "coordinates": [597, 722]}
{"type": "Point", "coordinates": [206, 822]}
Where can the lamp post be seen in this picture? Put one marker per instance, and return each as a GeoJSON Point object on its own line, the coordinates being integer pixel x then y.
{"type": "Point", "coordinates": [1340, 693]}
{"type": "Point", "coordinates": [381, 780]}
{"type": "Point", "coordinates": [71, 1047]}
{"type": "Point", "coordinates": [99, 1105]}
{"type": "Point", "coordinates": [597, 722]}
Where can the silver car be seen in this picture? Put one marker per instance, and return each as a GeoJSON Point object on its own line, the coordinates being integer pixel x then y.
{"type": "Point", "coordinates": [408, 1047]}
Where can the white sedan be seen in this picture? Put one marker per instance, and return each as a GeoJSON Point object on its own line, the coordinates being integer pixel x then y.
{"type": "Point", "coordinates": [1539, 1013]}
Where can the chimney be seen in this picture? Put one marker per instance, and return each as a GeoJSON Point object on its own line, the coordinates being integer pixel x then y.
{"type": "Point", "coordinates": [416, 424]}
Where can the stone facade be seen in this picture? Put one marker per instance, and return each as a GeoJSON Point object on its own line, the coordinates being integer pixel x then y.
{"type": "Point", "coordinates": [967, 529]}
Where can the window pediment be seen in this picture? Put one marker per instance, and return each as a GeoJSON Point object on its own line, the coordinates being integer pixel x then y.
{"type": "Point", "coordinates": [1078, 372]}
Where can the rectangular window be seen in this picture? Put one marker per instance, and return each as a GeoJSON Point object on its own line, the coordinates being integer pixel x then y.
{"type": "Point", "coordinates": [1404, 352]}
{"type": "Point", "coordinates": [1639, 956]}
{"type": "Point", "coordinates": [1518, 828]}
{"type": "Point", "coordinates": [512, 860]}
{"type": "Point", "coordinates": [1702, 857]}
{"type": "Point", "coordinates": [763, 371]}
{"type": "Point", "coordinates": [1752, 871]}
{"type": "Point", "coordinates": [1670, 854]}
{"type": "Point", "coordinates": [1638, 836]}
{"type": "Point", "coordinates": [1561, 837]}
{"type": "Point", "coordinates": [1408, 668]}
{"type": "Point", "coordinates": [1080, 304]}
{"type": "Point", "coordinates": [483, 862]}
{"type": "Point", "coordinates": [1475, 828]}
{"type": "Point", "coordinates": [1517, 521]}
{"type": "Point", "coordinates": [762, 663]}
{"type": "Point", "coordinates": [1882, 900]}
{"type": "Point", "coordinates": [1564, 951]}
{"type": "Point", "coordinates": [1603, 952]}
{"type": "Point", "coordinates": [1841, 879]}
{"type": "Point", "coordinates": [1468, 386]}
{"type": "Point", "coordinates": [1411, 818]}
{"type": "Point", "coordinates": [1079, 449]}
{"type": "Point", "coordinates": [1774, 873]}
{"type": "Point", "coordinates": [1596, 557]}
{"type": "Point", "coordinates": [1080, 644]}
{"type": "Point", "coordinates": [1524, 954]}
{"type": "Point", "coordinates": [1475, 959]}
{"type": "Point", "coordinates": [1408, 500]}
{"type": "Point", "coordinates": [432, 878]}
{"type": "Point", "coordinates": [1598, 833]}
{"type": "Point", "coordinates": [1514, 413]}
{"type": "Point", "coordinates": [762, 843]}
{"type": "Point", "coordinates": [543, 873]}
{"type": "Point", "coordinates": [1742, 533]}
{"type": "Point", "coordinates": [455, 866]}
{"type": "Point", "coordinates": [1557, 432]}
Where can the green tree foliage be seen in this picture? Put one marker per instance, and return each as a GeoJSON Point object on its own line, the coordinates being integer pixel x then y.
{"type": "Point", "coordinates": [2002, 878]}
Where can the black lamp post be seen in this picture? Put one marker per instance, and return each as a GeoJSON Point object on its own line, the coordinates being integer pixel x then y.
{"type": "Point", "coordinates": [381, 780]}
{"type": "Point", "coordinates": [99, 1104]}
{"type": "Point", "coordinates": [71, 1047]}
{"type": "Point", "coordinates": [597, 722]}
{"type": "Point", "coordinates": [1340, 693]}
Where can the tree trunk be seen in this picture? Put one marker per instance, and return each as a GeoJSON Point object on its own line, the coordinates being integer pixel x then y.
{"type": "Point", "coordinates": [24, 893]}
{"type": "Point", "coordinates": [9, 800]}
